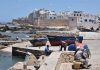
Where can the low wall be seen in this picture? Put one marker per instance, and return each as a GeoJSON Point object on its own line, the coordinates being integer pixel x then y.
{"type": "Point", "coordinates": [65, 57]}
{"type": "Point", "coordinates": [21, 52]}
{"type": "Point", "coordinates": [90, 35]}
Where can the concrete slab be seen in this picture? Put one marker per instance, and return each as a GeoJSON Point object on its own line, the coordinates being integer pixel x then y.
{"type": "Point", "coordinates": [66, 66]}
{"type": "Point", "coordinates": [51, 61]}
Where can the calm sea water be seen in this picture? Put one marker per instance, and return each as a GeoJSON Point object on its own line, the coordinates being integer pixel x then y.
{"type": "Point", "coordinates": [7, 60]}
{"type": "Point", "coordinates": [15, 35]}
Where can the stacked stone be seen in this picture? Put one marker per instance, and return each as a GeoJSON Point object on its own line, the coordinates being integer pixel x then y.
{"type": "Point", "coordinates": [65, 57]}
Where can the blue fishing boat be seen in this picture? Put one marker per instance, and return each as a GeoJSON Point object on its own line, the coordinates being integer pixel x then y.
{"type": "Point", "coordinates": [38, 42]}
{"type": "Point", "coordinates": [57, 40]}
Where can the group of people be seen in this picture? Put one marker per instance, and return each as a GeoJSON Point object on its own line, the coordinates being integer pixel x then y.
{"type": "Point", "coordinates": [82, 52]}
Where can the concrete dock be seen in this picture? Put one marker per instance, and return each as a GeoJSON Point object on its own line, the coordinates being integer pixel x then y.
{"type": "Point", "coordinates": [20, 44]}
{"type": "Point", "coordinates": [95, 53]}
{"type": "Point", "coordinates": [51, 62]}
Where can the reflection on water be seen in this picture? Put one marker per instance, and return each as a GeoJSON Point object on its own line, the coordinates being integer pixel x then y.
{"type": "Point", "coordinates": [6, 60]}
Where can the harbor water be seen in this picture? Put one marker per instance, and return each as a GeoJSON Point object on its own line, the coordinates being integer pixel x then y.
{"type": "Point", "coordinates": [7, 60]}
{"type": "Point", "coordinates": [15, 35]}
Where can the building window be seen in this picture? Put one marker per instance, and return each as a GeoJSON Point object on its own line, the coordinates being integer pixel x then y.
{"type": "Point", "coordinates": [93, 21]}
{"type": "Point", "coordinates": [74, 14]}
{"type": "Point", "coordinates": [50, 17]}
{"type": "Point", "coordinates": [85, 20]}
{"type": "Point", "coordinates": [81, 21]}
{"type": "Point", "coordinates": [77, 14]}
{"type": "Point", "coordinates": [90, 20]}
{"type": "Point", "coordinates": [54, 17]}
{"type": "Point", "coordinates": [98, 18]}
{"type": "Point", "coordinates": [72, 19]}
{"type": "Point", "coordinates": [80, 15]}
{"type": "Point", "coordinates": [60, 17]}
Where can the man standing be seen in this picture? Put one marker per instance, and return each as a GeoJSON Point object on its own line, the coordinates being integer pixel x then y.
{"type": "Point", "coordinates": [63, 45]}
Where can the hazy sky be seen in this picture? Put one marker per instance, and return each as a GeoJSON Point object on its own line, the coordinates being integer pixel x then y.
{"type": "Point", "coordinates": [10, 9]}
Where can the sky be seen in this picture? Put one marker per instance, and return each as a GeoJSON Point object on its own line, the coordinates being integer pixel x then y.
{"type": "Point", "coordinates": [13, 9]}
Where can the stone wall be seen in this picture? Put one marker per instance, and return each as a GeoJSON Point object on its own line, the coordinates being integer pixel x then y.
{"type": "Point", "coordinates": [51, 22]}
{"type": "Point", "coordinates": [65, 57]}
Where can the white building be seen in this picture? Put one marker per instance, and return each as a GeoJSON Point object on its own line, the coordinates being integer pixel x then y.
{"type": "Point", "coordinates": [47, 14]}
{"type": "Point", "coordinates": [80, 18]}
{"type": "Point", "coordinates": [86, 20]}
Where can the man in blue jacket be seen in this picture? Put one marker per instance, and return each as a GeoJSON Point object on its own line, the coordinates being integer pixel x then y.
{"type": "Point", "coordinates": [47, 51]}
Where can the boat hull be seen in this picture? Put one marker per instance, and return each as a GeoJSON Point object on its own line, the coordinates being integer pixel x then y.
{"type": "Point", "coordinates": [57, 40]}
{"type": "Point", "coordinates": [38, 42]}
